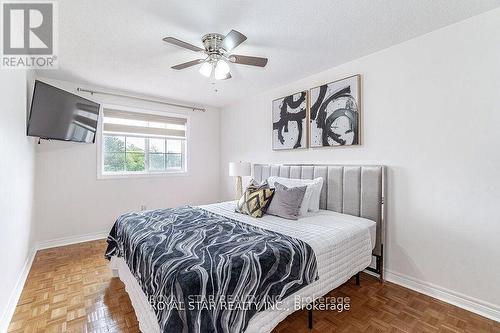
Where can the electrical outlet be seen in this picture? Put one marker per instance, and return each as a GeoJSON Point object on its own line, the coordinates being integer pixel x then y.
{"type": "Point", "coordinates": [143, 208]}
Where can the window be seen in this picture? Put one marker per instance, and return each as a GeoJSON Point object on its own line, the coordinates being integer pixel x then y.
{"type": "Point", "coordinates": [136, 143]}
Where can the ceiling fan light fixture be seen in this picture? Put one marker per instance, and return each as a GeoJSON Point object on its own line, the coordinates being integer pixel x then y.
{"type": "Point", "coordinates": [217, 49]}
{"type": "Point", "coordinates": [206, 69]}
{"type": "Point", "coordinates": [221, 70]}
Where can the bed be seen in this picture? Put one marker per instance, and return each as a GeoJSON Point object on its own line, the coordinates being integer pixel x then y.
{"type": "Point", "coordinates": [346, 235]}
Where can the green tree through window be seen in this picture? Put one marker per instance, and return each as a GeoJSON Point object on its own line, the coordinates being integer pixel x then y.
{"type": "Point", "coordinates": [122, 154]}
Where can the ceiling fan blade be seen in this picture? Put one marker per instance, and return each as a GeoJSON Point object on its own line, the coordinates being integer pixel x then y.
{"type": "Point", "coordinates": [188, 64]}
{"type": "Point", "coordinates": [248, 60]}
{"type": "Point", "coordinates": [232, 39]}
{"type": "Point", "coordinates": [180, 43]}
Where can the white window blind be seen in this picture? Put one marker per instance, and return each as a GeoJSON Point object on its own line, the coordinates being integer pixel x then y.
{"type": "Point", "coordinates": [132, 123]}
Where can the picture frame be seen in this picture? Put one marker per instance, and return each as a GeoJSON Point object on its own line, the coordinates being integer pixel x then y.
{"type": "Point", "coordinates": [290, 121]}
{"type": "Point", "coordinates": [334, 114]}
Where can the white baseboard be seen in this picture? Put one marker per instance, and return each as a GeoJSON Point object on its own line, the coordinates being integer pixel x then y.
{"type": "Point", "coordinates": [70, 240]}
{"type": "Point", "coordinates": [471, 304]}
{"type": "Point", "coordinates": [16, 292]}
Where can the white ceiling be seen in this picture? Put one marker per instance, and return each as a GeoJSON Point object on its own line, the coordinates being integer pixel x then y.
{"type": "Point", "coordinates": [118, 43]}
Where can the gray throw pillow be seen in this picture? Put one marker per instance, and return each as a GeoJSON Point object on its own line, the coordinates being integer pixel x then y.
{"type": "Point", "coordinates": [286, 201]}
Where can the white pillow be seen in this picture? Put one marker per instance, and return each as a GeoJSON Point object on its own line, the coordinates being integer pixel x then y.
{"type": "Point", "coordinates": [313, 191]}
{"type": "Point", "coordinates": [314, 203]}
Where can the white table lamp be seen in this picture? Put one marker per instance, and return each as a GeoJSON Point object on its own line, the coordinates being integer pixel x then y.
{"type": "Point", "coordinates": [238, 170]}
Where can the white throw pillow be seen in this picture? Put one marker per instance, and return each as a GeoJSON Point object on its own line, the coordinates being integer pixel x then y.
{"type": "Point", "coordinates": [313, 191]}
{"type": "Point", "coordinates": [314, 203]}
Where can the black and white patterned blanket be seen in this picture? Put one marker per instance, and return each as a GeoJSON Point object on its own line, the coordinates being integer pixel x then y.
{"type": "Point", "coordinates": [204, 272]}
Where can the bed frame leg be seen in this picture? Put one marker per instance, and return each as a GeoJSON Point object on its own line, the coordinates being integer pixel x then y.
{"type": "Point", "coordinates": [380, 267]}
{"type": "Point", "coordinates": [357, 279]}
{"type": "Point", "coordinates": [310, 319]}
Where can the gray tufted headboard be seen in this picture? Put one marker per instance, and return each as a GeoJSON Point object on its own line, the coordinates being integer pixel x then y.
{"type": "Point", "coordinates": [350, 189]}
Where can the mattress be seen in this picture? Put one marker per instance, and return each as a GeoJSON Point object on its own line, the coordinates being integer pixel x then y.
{"type": "Point", "coordinates": [342, 244]}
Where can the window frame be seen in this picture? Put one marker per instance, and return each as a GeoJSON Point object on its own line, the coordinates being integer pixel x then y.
{"type": "Point", "coordinates": [101, 174]}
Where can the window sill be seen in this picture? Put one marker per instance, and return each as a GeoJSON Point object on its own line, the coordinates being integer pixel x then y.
{"type": "Point", "coordinates": [142, 175]}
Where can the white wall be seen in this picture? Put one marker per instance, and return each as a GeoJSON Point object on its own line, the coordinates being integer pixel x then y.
{"type": "Point", "coordinates": [16, 190]}
{"type": "Point", "coordinates": [431, 113]}
{"type": "Point", "coordinates": [71, 201]}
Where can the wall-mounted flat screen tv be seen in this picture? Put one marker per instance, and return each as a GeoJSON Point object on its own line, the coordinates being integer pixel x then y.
{"type": "Point", "coordinates": [60, 115]}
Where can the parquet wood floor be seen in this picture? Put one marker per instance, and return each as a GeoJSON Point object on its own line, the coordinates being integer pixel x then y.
{"type": "Point", "coordinates": [70, 289]}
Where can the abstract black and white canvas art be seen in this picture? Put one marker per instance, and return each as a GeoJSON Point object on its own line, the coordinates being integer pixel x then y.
{"type": "Point", "coordinates": [289, 122]}
{"type": "Point", "coordinates": [335, 113]}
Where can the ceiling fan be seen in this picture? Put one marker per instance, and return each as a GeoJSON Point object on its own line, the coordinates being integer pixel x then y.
{"type": "Point", "coordinates": [217, 49]}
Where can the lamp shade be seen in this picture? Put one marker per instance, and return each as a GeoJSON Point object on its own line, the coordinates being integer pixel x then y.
{"type": "Point", "coordinates": [206, 69]}
{"type": "Point", "coordinates": [240, 169]}
{"type": "Point", "coordinates": [221, 70]}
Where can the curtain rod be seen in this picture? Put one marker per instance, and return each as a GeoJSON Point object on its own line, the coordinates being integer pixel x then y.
{"type": "Point", "coordinates": [92, 92]}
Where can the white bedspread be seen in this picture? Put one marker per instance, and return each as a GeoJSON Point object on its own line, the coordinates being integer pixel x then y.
{"type": "Point", "coordinates": [342, 244]}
